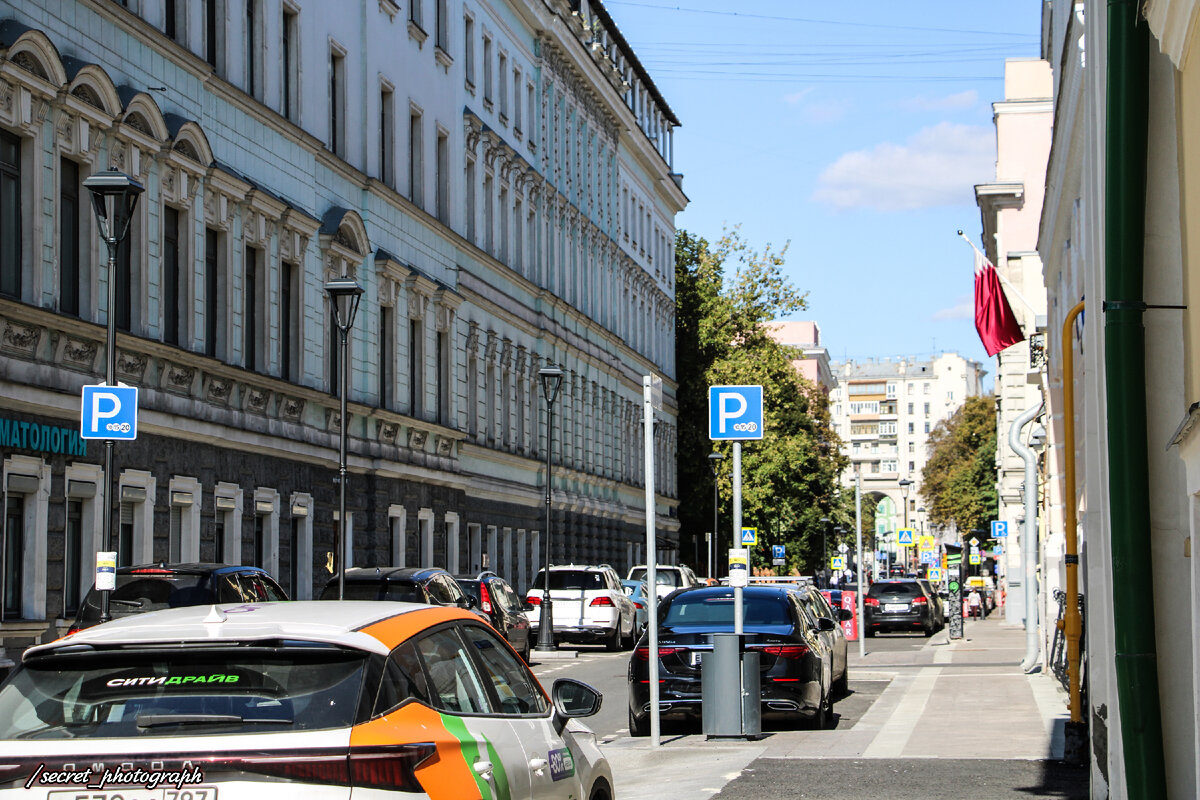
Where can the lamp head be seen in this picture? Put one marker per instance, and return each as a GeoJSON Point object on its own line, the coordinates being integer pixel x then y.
{"type": "Point", "coordinates": [114, 196]}
{"type": "Point", "coordinates": [344, 293]}
{"type": "Point", "coordinates": [551, 378]}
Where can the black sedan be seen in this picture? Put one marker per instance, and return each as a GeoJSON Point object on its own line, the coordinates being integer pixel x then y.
{"type": "Point", "coordinates": [899, 605]}
{"type": "Point", "coordinates": [795, 664]}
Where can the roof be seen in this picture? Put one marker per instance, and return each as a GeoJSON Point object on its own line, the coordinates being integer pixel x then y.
{"type": "Point", "coordinates": [333, 622]}
{"type": "Point", "coordinates": [365, 574]}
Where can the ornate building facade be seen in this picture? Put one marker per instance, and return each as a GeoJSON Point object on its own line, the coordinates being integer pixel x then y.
{"type": "Point", "coordinates": [497, 177]}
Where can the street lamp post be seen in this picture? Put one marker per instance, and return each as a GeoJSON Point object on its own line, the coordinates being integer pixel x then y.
{"type": "Point", "coordinates": [713, 458]}
{"type": "Point", "coordinates": [114, 197]}
{"type": "Point", "coordinates": [344, 294]}
{"type": "Point", "coordinates": [905, 483]}
{"type": "Point", "coordinates": [824, 552]}
{"type": "Point", "coordinates": [551, 378]}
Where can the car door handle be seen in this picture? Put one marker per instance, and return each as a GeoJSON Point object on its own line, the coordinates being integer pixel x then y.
{"type": "Point", "coordinates": [537, 765]}
{"type": "Point", "coordinates": [483, 769]}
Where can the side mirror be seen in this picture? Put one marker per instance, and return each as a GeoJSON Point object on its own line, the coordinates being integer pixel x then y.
{"type": "Point", "coordinates": [574, 698]}
{"type": "Point", "coordinates": [845, 614]}
{"type": "Point", "coordinates": [825, 624]}
{"type": "Point", "coordinates": [527, 606]}
{"type": "Point", "coordinates": [468, 602]}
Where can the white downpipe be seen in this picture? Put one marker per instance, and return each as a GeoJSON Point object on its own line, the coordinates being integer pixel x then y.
{"type": "Point", "coordinates": [1029, 556]}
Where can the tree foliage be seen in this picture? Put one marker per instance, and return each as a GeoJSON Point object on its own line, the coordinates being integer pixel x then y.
{"type": "Point", "coordinates": [726, 293]}
{"type": "Point", "coordinates": [958, 482]}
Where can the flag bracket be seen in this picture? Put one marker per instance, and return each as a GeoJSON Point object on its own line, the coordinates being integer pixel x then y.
{"type": "Point", "coordinates": [1134, 305]}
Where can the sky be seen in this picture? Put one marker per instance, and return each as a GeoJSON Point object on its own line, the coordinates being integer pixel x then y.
{"type": "Point", "coordinates": [852, 131]}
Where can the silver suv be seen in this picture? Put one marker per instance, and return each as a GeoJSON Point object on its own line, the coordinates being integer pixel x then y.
{"type": "Point", "coordinates": [589, 606]}
{"type": "Point", "coordinates": [669, 577]}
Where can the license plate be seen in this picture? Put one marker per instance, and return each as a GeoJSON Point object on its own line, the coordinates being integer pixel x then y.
{"type": "Point", "coordinates": [136, 793]}
{"type": "Point", "coordinates": [895, 607]}
{"type": "Point", "coordinates": [695, 657]}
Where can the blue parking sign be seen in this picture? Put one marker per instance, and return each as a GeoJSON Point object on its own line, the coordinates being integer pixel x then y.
{"type": "Point", "coordinates": [777, 551]}
{"type": "Point", "coordinates": [999, 529]}
{"type": "Point", "coordinates": [735, 412]}
{"type": "Point", "coordinates": [108, 412]}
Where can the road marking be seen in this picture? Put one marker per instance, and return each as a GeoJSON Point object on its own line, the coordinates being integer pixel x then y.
{"type": "Point", "coordinates": [893, 736]}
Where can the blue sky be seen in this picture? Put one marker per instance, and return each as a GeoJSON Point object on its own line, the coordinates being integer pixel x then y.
{"type": "Point", "coordinates": [856, 131]}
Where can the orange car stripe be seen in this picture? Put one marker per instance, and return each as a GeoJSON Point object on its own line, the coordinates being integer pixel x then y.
{"type": "Point", "coordinates": [447, 776]}
{"type": "Point", "coordinates": [394, 630]}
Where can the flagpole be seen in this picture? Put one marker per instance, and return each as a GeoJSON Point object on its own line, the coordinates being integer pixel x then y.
{"type": "Point", "coordinates": [1005, 280]}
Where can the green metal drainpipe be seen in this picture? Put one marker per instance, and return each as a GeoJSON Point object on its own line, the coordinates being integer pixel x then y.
{"type": "Point", "coordinates": [1125, 363]}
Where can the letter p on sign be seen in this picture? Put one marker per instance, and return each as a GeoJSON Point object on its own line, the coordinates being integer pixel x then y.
{"type": "Point", "coordinates": [735, 412]}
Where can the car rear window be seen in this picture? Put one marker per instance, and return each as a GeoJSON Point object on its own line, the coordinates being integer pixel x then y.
{"type": "Point", "coordinates": [138, 593]}
{"type": "Point", "coordinates": [662, 577]}
{"type": "Point", "coordinates": [192, 691]}
{"type": "Point", "coordinates": [894, 589]}
{"type": "Point", "coordinates": [718, 610]}
{"type": "Point", "coordinates": [571, 579]}
{"type": "Point", "coordinates": [398, 591]}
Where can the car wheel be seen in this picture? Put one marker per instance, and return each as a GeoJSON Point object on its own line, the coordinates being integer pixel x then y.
{"type": "Point", "coordinates": [638, 727]}
{"type": "Point", "coordinates": [600, 792]}
{"type": "Point", "coordinates": [929, 631]}
{"type": "Point", "coordinates": [841, 687]}
{"type": "Point", "coordinates": [824, 714]}
{"type": "Point", "coordinates": [525, 652]}
{"type": "Point", "coordinates": [614, 642]}
{"type": "Point", "coordinates": [870, 633]}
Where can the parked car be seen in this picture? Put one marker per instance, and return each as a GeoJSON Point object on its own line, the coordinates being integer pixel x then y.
{"type": "Point", "coordinates": [796, 665]}
{"type": "Point", "coordinates": [900, 604]}
{"type": "Point", "coordinates": [428, 585]}
{"type": "Point", "coordinates": [667, 577]}
{"type": "Point", "coordinates": [503, 606]}
{"type": "Point", "coordinates": [636, 591]}
{"type": "Point", "coordinates": [589, 606]}
{"type": "Point", "coordinates": [939, 608]}
{"type": "Point", "coordinates": [818, 607]}
{"type": "Point", "coordinates": [152, 587]}
{"type": "Point", "coordinates": [299, 700]}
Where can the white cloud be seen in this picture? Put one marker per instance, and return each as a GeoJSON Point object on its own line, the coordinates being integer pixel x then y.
{"type": "Point", "coordinates": [796, 97]}
{"type": "Point", "coordinates": [937, 166]}
{"type": "Point", "coordinates": [963, 308]}
{"type": "Point", "coordinates": [949, 102]}
{"type": "Point", "coordinates": [823, 113]}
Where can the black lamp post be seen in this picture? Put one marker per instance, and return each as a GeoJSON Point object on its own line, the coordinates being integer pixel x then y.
{"type": "Point", "coordinates": [344, 294]}
{"type": "Point", "coordinates": [551, 379]}
{"type": "Point", "coordinates": [904, 484]}
{"type": "Point", "coordinates": [114, 196]}
{"type": "Point", "coordinates": [713, 458]}
{"type": "Point", "coordinates": [824, 552]}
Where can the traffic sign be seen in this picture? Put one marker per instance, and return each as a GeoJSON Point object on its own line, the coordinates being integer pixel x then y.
{"type": "Point", "coordinates": [998, 550]}
{"type": "Point", "coordinates": [928, 557]}
{"type": "Point", "coordinates": [905, 536]}
{"type": "Point", "coordinates": [749, 535]}
{"type": "Point", "coordinates": [843, 548]}
{"type": "Point", "coordinates": [934, 573]}
{"type": "Point", "coordinates": [973, 542]}
{"type": "Point", "coordinates": [999, 529]}
{"type": "Point", "coordinates": [108, 412]}
{"type": "Point", "coordinates": [777, 551]}
{"type": "Point", "coordinates": [974, 558]}
{"type": "Point", "coordinates": [735, 412]}
{"type": "Point", "coordinates": [926, 543]}
{"type": "Point", "coordinates": [837, 562]}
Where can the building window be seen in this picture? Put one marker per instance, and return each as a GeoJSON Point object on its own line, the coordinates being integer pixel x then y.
{"type": "Point", "coordinates": [414, 12]}
{"type": "Point", "coordinates": [387, 356]}
{"type": "Point", "coordinates": [469, 50]}
{"type": "Point", "coordinates": [517, 99]}
{"type": "Point", "coordinates": [251, 319]}
{"type": "Point", "coordinates": [911, 466]}
{"type": "Point", "coordinates": [530, 106]}
{"type": "Point", "coordinates": [214, 297]}
{"type": "Point", "coordinates": [518, 239]}
{"type": "Point", "coordinates": [443, 378]}
{"type": "Point", "coordinates": [294, 556]}
{"type": "Point", "coordinates": [219, 523]}
{"type": "Point", "coordinates": [502, 74]}
{"type": "Point", "coordinates": [335, 355]}
{"type": "Point", "coordinates": [416, 165]}
{"type": "Point", "coordinates": [289, 321]}
{"type": "Point", "coordinates": [910, 408]}
{"type": "Point", "coordinates": [175, 535]}
{"type": "Point", "coordinates": [214, 32]}
{"type": "Point", "coordinates": [124, 307]}
{"type": "Point", "coordinates": [337, 102]}
{"type": "Point", "coordinates": [442, 179]}
{"type": "Point", "coordinates": [253, 49]}
{"type": "Point", "coordinates": [925, 388]}
{"type": "Point", "coordinates": [70, 222]}
{"type": "Point", "coordinates": [489, 218]}
{"type": "Point", "coordinates": [441, 25]}
{"type": "Point", "coordinates": [487, 70]}
{"type": "Point", "coordinates": [927, 427]}
{"type": "Point", "coordinates": [125, 534]}
{"type": "Point", "coordinates": [291, 77]}
{"type": "Point", "coordinates": [173, 297]}
{"type": "Point", "coordinates": [416, 365]}
{"type": "Point", "coordinates": [387, 135]}
{"type": "Point", "coordinates": [72, 557]}
{"type": "Point", "coordinates": [502, 254]}
{"type": "Point", "coordinates": [910, 428]}
{"type": "Point", "coordinates": [10, 215]}
{"type": "Point", "coordinates": [259, 540]}
{"type": "Point", "coordinates": [927, 409]}
{"type": "Point", "coordinates": [173, 21]}
{"type": "Point", "coordinates": [470, 204]}
{"type": "Point", "coordinates": [14, 555]}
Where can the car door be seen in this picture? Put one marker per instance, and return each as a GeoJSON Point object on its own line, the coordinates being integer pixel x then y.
{"type": "Point", "coordinates": [549, 758]}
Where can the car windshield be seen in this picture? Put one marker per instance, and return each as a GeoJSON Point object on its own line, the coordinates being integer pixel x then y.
{"type": "Point", "coordinates": [136, 593]}
{"type": "Point", "coordinates": [184, 691]}
{"type": "Point", "coordinates": [662, 577]}
{"type": "Point", "coordinates": [717, 609]}
{"type": "Point", "coordinates": [397, 591]}
{"type": "Point", "coordinates": [894, 589]}
{"type": "Point", "coordinates": [567, 579]}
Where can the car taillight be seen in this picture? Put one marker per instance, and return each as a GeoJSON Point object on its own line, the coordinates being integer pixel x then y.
{"type": "Point", "coordinates": [331, 768]}
{"type": "Point", "coordinates": [75, 628]}
{"type": "Point", "coordinates": [534, 600]}
{"type": "Point", "coordinates": [871, 601]}
{"type": "Point", "coordinates": [638, 605]}
{"type": "Point", "coordinates": [644, 652]}
{"type": "Point", "coordinates": [392, 768]}
{"type": "Point", "coordinates": [151, 571]}
{"type": "Point", "coordinates": [485, 599]}
{"type": "Point", "coordinates": [920, 601]}
{"type": "Point", "coordinates": [601, 601]}
{"type": "Point", "coordinates": [785, 650]}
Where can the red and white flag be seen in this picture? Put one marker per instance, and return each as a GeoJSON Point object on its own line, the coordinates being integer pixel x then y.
{"type": "Point", "coordinates": [994, 319]}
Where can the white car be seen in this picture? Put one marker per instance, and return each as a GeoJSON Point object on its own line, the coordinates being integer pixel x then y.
{"type": "Point", "coordinates": [590, 605]}
{"type": "Point", "coordinates": [293, 701]}
{"type": "Point", "coordinates": [667, 577]}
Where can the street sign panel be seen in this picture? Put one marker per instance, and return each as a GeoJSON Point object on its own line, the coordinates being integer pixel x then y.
{"type": "Point", "coordinates": [735, 412]}
{"type": "Point", "coordinates": [926, 543]}
{"type": "Point", "coordinates": [777, 551]}
{"type": "Point", "coordinates": [934, 573]}
{"type": "Point", "coordinates": [973, 542]}
{"type": "Point", "coordinates": [108, 412]}
{"type": "Point", "coordinates": [837, 562]}
{"type": "Point", "coordinates": [974, 558]}
{"type": "Point", "coordinates": [749, 535]}
{"type": "Point", "coordinates": [999, 529]}
{"type": "Point", "coordinates": [998, 550]}
{"type": "Point", "coordinates": [928, 557]}
{"type": "Point", "coordinates": [905, 536]}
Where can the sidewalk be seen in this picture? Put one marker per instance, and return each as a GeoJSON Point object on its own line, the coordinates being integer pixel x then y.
{"type": "Point", "coordinates": [934, 691]}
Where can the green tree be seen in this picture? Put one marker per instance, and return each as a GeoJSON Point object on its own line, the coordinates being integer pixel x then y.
{"type": "Point", "coordinates": [722, 338]}
{"type": "Point", "coordinates": [958, 482]}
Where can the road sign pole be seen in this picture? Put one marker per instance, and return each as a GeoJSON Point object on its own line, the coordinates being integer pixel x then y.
{"type": "Point", "coordinates": [651, 555]}
{"type": "Point", "coordinates": [737, 531]}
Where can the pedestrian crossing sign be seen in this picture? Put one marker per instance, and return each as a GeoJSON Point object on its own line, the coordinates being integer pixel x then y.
{"type": "Point", "coordinates": [926, 543]}
{"type": "Point", "coordinates": [934, 573]}
{"type": "Point", "coordinates": [749, 535]}
{"type": "Point", "coordinates": [973, 558]}
{"type": "Point", "coordinates": [837, 562]}
{"type": "Point", "coordinates": [906, 536]}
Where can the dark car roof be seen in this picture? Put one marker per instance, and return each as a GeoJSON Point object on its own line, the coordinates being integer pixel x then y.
{"type": "Point", "coordinates": [368, 574]}
{"type": "Point", "coordinates": [190, 568]}
{"type": "Point", "coordinates": [751, 590]}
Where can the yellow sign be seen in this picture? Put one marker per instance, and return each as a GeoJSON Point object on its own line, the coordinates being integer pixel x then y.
{"type": "Point", "coordinates": [934, 574]}
{"type": "Point", "coordinates": [749, 536]}
{"type": "Point", "coordinates": [837, 562]}
{"type": "Point", "coordinates": [926, 543]}
{"type": "Point", "coordinates": [973, 558]}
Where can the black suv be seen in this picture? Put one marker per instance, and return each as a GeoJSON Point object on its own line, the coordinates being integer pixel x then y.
{"type": "Point", "coordinates": [150, 587]}
{"type": "Point", "coordinates": [428, 585]}
{"type": "Point", "coordinates": [505, 609]}
{"type": "Point", "coordinates": [899, 605]}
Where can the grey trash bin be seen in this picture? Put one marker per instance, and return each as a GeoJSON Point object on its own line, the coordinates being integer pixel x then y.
{"type": "Point", "coordinates": [729, 689]}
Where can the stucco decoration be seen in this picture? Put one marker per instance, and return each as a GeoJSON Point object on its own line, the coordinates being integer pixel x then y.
{"type": "Point", "coordinates": [1173, 23]}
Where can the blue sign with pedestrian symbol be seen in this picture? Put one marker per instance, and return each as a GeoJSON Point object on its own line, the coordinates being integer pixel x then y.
{"type": "Point", "coordinates": [109, 412]}
{"type": "Point", "coordinates": [906, 536]}
{"type": "Point", "coordinates": [999, 529]}
{"type": "Point", "coordinates": [777, 551]}
{"type": "Point", "coordinates": [735, 412]}
{"type": "Point", "coordinates": [749, 535]}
